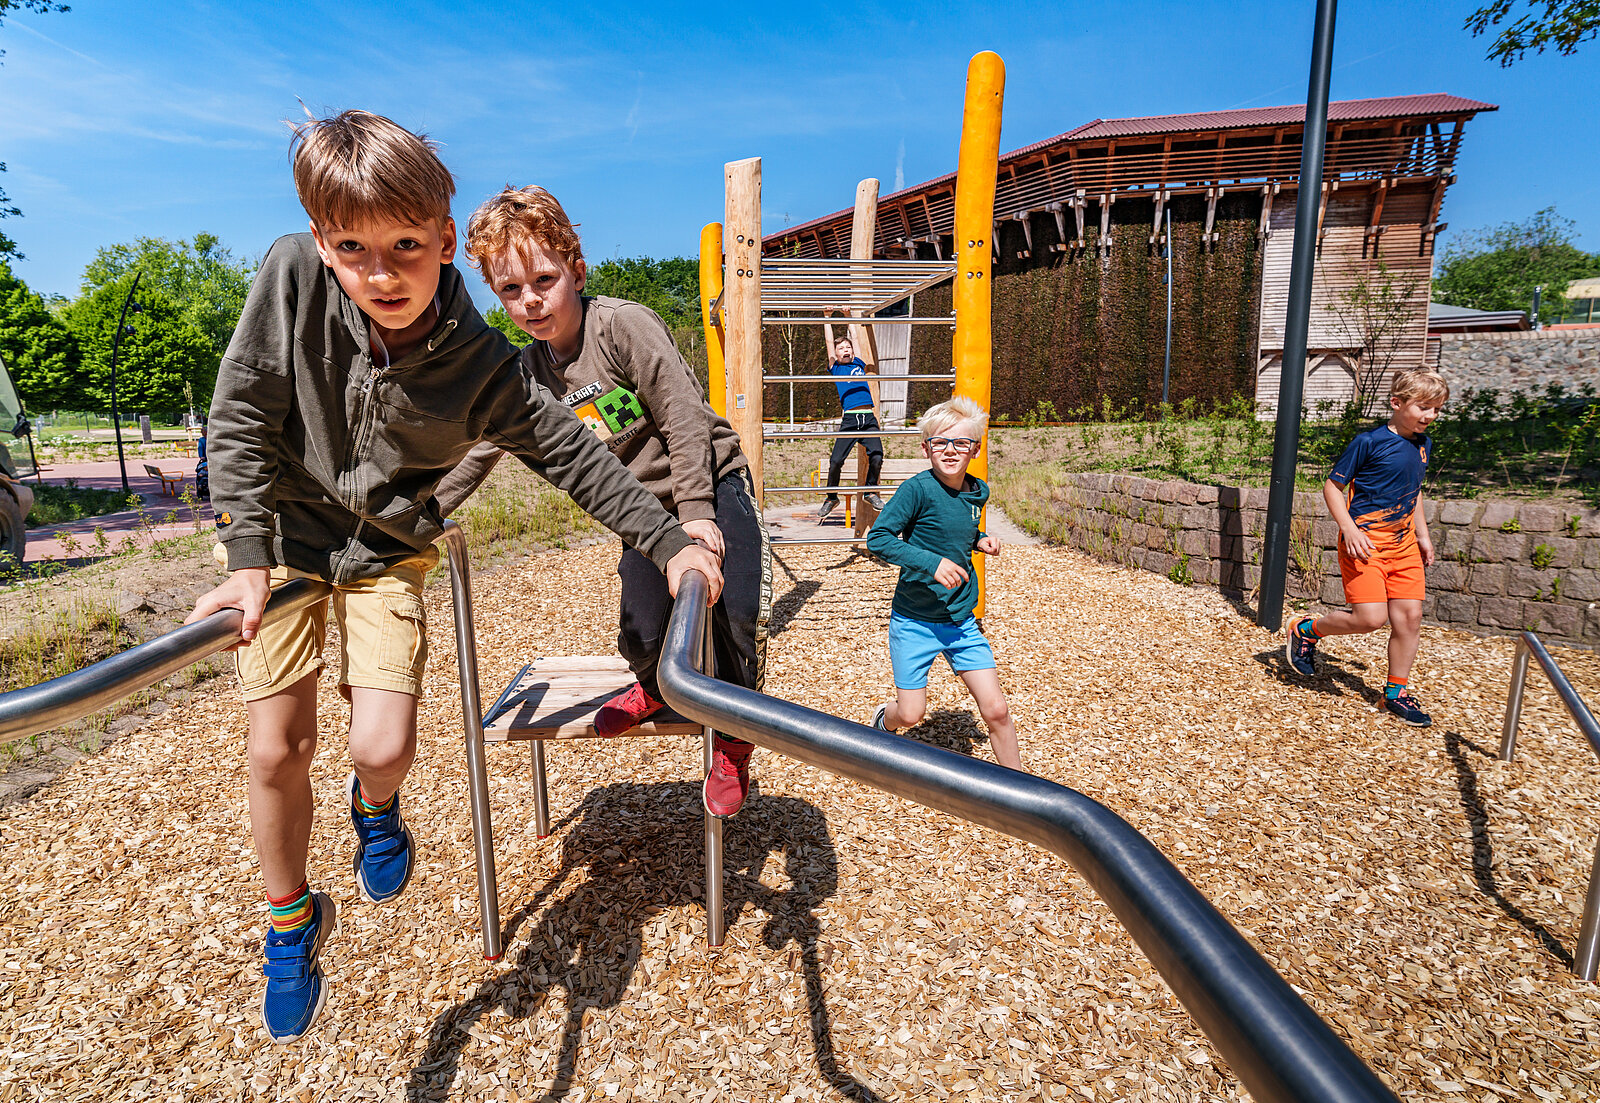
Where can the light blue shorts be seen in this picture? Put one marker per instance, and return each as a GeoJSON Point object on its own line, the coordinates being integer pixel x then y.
{"type": "Point", "coordinates": [914, 644]}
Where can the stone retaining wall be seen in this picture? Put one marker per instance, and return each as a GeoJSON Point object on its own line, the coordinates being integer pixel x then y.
{"type": "Point", "coordinates": [1520, 361]}
{"type": "Point", "coordinates": [1503, 566]}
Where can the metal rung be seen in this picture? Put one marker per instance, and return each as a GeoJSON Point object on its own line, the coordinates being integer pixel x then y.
{"type": "Point", "coordinates": [852, 435]}
{"type": "Point", "coordinates": [836, 491]}
{"type": "Point", "coordinates": [796, 540]}
{"type": "Point", "coordinates": [868, 376]}
{"type": "Point", "coordinates": [902, 320]}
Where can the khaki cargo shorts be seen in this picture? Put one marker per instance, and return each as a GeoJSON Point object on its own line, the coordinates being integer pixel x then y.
{"type": "Point", "coordinates": [382, 628]}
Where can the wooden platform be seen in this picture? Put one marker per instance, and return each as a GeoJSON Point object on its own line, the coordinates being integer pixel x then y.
{"type": "Point", "coordinates": [557, 698]}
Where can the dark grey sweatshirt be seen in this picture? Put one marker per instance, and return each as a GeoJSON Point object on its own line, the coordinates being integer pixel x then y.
{"type": "Point", "coordinates": [324, 462]}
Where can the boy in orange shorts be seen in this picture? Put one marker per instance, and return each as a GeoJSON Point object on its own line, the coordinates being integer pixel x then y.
{"type": "Point", "coordinates": [1375, 494]}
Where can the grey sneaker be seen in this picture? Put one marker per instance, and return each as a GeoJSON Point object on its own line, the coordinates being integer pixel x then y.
{"type": "Point", "coordinates": [874, 501]}
{"type": "Point", "coordinates": [829, 504]}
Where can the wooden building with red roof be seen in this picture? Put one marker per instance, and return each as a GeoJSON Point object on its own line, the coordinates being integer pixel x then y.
{"type": "Point", "coordinates": [1078, 231]}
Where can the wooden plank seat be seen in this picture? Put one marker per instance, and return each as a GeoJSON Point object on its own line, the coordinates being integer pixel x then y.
{"type": "Point", "coordinates": [171, 481]}
{"type": "Point", "coordinates": [557, 698]}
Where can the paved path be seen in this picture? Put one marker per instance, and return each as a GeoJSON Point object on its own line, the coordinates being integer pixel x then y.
{"type": "Point", "coordinates": [43, 542]}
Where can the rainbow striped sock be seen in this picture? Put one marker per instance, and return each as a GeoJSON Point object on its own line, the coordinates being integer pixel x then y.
{"type": "Point", "coordinates": [371, 809]}
{"type": "Point", "coordinates": [292, 912]}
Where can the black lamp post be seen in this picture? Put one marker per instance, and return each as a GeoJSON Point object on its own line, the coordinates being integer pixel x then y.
{"type": "Point", "coordinates": [116, 343]}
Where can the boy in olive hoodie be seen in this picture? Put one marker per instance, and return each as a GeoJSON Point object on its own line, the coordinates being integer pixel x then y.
{"type": "Point", "coordinates": [359, 375]}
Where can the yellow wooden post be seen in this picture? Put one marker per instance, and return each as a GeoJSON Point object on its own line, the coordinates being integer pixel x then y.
{"type": "Point", "coordinates": [742, 222]}
{"type": "Point", "coordinates": [975, 182]}
{"type": "Point", "coordinates": [710, 288]}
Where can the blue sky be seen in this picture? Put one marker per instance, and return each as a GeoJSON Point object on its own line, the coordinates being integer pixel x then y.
{"type": "Point", "coordinates": [119, 120]}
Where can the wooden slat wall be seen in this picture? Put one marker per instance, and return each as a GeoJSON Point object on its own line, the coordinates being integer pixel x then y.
{"type": "Point", "coordinates": [894, 358]}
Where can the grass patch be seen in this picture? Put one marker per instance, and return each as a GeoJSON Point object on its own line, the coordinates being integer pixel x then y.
{"type": "Point", "coordinates": [55, 504]}
{"type": "Point", "coordinates": [64, 635]}
{"type": "Point", "coordinates": [515, 510]}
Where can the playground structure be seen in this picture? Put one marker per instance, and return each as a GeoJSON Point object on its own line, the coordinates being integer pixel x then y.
{"type": "Point", "coordinates": [741, 291]}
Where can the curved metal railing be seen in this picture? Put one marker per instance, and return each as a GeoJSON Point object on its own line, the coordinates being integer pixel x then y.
{"type": "Point", "coordinates": [1276, 1044]}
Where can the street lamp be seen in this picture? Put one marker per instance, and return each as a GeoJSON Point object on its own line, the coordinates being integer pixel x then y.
{"type": "Point", "coordinates": [116, 343]}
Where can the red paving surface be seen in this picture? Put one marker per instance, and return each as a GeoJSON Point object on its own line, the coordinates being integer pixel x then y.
{"type": "Point", "coordinates": [118, 527]}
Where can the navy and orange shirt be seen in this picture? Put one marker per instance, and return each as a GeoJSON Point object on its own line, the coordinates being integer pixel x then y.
{"type": "Point", "coordinates": [1381, 473]}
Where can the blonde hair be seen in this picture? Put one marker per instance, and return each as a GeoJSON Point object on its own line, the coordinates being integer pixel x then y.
{"type": "Point", "coordinates": [516, 217]}
{"type": "Point", "coordinates": [947, 415]}
{"type": "Point", "coordinates": [359, 167]}
{"type": "Point", "coordinates": [1419, 384]}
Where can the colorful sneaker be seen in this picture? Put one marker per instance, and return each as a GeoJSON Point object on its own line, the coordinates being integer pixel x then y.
{"type": "Point", "coordinates": [728, 783]}
{"type": "Point", "coordinates": [296, 989]}
{"type": "Point", "coordinates": [1406, 708]}
{"type": "Point", "coordinates": [385, 851]}
{"type": "Point", "coordinates": [1300, 649]}
{"type": "Point", "coordinates": [624, 711]}
{"type": "Point", "coordinates": [878, 717]}
{"type": "Point", "coordinates": [829, 504]}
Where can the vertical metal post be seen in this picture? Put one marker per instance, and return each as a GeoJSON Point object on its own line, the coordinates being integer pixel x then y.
{"type": "Point", "coordinates": [541, 794]}
{"type": "Point", "coordinates": [1291, 386]}
{"type": "Point", "coordinates": [116, 345]}
{"type": "Point", "coordinates": [1586, 962]}
{"type": "Point", "coordinates": [1166, 366]}
{"type": "Point", "coordinates": [1538, 292]}
{"type": "Point", "coordinates": [715, 921]}
{"type": "Point", "coordinates": [472, 722]}
{"type": "Point", "coordinates": [1519, 679]}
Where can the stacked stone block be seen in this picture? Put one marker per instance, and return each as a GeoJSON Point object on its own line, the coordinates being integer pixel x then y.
{"type": "Point", "coordinates": [1502, 567]}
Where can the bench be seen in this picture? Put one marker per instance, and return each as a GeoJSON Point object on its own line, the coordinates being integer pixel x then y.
{"type": "Point", "coordinates": [171, 481]}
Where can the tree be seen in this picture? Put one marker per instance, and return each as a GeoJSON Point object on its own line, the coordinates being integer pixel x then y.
{"type": "Point", "coordinates": [499, 319]}
{"type": "Point", "coordinates": [201, 275]}
{"type": "Point", "coordinates": [1564, 24]}
{"type": "Point", "coordinates": [1377, 314]}
{"type": "Point", "coordinates": [41, 352]}
{"type": "Point", "coordinates": [1498, 268]}
{"type": "Point", "coordinates": [164, 352]}
{"type": "Point", "coordinates": [8, 247]}
{"type": "Point", "coordinates": [670, 287]}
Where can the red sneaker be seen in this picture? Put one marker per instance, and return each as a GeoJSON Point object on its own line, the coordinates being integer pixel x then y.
{"type": "Point", "coordinates": [728, 783]}
{"type": "Point", "coordinates": [624, 711]}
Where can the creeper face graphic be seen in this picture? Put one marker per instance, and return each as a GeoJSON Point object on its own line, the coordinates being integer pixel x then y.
{"type": "Point", "coordinates": [619, 408]}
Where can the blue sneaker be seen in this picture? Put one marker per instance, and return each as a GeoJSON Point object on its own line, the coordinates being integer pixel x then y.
{"type": "Point", "coordinates": [1406, 708]}
{"type": "Point", "coordinates": [385, 852]}
{"type": "Point", "coordinates": [296, 989]}
{"type": "Point", "coordinates": [1300, 649]}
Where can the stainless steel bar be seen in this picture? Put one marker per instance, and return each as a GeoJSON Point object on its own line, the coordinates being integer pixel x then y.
{"type": "Point", "coordinates": [1586, 961]}
{"type": "Point", "coordinates": [1519, 681]}
{"type": "Point", "coordinates": [541, 791]}
{"type": "Point", "coordinates": [1276, 1045]}
{"type": "Point", "coordinates": [1576, 709]}
{"type": "Point", "coordinates": [870, 377]}
{"type": "Point", "coordinates": [716, 920]}
{"type": "Point", "coordinates": [830, 434]}
{"type": "Point", "coordinates": [472, 722]}
{"type": "Point", "coordinates": [46, 705]}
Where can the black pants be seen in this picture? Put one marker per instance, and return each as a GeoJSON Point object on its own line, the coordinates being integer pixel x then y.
{"type": "Point", "coordinates": [856, 421]}
{"type": "Point", "coordinates": [739, 619]}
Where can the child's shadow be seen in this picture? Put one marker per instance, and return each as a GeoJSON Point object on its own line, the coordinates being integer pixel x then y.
{"type": "Point", "coordinates": [952, 729]}
{"type": "Point", "coordinates": [636, 863]}
{"type": "Point", "coordinates": [1336, 676]}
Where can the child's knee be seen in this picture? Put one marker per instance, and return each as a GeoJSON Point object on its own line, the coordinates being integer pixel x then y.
{"type": "Point", "coordinates": [277, 757]}
{"type": "Point", "coordinates": [910, 715]}
{"type": "Point", "coordinates": [1370, 618]}
{"type": "Point", "coordinates": [995, 712]}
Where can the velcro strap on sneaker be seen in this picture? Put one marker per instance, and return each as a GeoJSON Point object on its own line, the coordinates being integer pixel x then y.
{"type": "Point", "coordinates": [384, 846]}
{"type": "Point", "coordinates": [286, 963]}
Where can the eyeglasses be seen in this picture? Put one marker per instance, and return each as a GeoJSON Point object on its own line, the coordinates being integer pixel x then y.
{"type": "Point", "coordinates": [952, 444]}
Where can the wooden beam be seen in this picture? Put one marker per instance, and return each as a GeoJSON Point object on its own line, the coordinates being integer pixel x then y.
{"type": "Point", "coordinates": [1210, 237]}
{"type": "Point", "coordinates": [1057, 209]}
{"type": "Point", "coordinates": [1080, 203]}
{"type": "Point", "coordinates": [863, 232]}
{"type": "Point", "coordinates": [1027, 232]}
{"type": "Point", "coordinates": [1161, 203]}
{"type": "Point", "coordinates": [1105, 223]}
{"type": "Point", "coordinates": [1264, 228]}
{"type": "Point", "coordinates": [742, 300]}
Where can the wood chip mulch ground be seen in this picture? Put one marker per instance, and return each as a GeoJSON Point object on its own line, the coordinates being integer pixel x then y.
{"type": "Point", "coordinates": [1423, 896]}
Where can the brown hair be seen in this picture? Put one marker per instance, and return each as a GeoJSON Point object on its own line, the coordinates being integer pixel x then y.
{"type": "Point", "coordinates": [517, 216]}
{"type": "Point", "coordinates": [356, 167]}
{"type": "Point", "coordinates": [1419, 383]}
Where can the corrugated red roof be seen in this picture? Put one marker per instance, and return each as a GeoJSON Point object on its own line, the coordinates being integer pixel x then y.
{"type": "Point", "coordinates": [1384, 107]}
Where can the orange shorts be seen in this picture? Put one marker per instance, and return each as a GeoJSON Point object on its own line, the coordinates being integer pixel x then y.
{"type": "Point", "coordinates": [1396, 576]}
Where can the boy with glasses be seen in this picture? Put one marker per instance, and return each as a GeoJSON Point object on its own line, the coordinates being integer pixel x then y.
{"type": "Point", "coordinates": [929, 529]}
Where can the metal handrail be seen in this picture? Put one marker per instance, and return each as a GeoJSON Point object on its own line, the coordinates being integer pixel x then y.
{"type": "Point", "coordinates": [1276, 1044]}
{"type": "Point", "coordinates": [1586, 961]}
